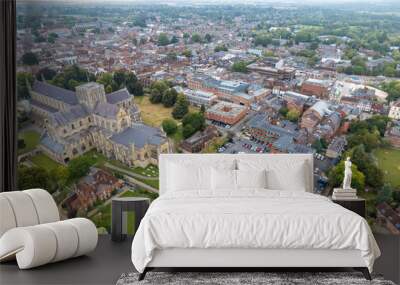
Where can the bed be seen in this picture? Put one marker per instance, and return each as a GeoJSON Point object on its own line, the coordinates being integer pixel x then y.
{"type": "Point", "coordinates": [247, 211]}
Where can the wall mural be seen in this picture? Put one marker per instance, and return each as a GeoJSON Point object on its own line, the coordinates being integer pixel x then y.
{"type": "Point", "coordinates": [103, 91]}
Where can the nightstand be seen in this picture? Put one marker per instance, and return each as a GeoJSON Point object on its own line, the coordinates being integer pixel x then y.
{"type": "Point", "coordinates": [355, 205]}
{"type": "Point", "coordinates": [120, 206]}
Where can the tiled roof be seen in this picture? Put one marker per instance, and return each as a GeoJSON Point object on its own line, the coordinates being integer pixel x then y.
{"type": "Point", "coordinates": [106, 110]}
{"type": "Point", "coordinates": [43, 106]}
{"type": "Point", "coordinates": [55, 92]}
{"type": "Point", "coordinates": [139, 135]}
{"type": "Point", "coordinates": [73, 114]}
{"type": "Point", "coordinates": [118, 96]}
{"type": "Point", "coordinates": [52, 144]}
{"type": "Point", "coordinates": [259, 122]}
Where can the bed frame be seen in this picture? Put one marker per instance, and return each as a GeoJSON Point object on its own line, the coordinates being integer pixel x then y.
{"type": "Point", "coordinates": [244, 259]}
{"type": "Point", "coordinates": [233, 259]}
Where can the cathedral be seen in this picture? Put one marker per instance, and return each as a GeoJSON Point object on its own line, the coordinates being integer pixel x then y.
{"type": "Point", "coordinates": [75, 122]}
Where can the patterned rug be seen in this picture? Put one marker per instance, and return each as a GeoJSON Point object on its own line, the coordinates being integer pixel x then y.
{"type": "Point", "coordinates": [244, 278]}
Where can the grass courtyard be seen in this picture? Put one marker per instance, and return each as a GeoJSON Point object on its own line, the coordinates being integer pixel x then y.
{"type": "Point", "coordinates": [389, 161]}
{"type": "Point", "coordinates": [31, 140]}
{"type": "Point", "coordinates": [45, 162]}
{"type": "Point", "coordinates": [154, 114]}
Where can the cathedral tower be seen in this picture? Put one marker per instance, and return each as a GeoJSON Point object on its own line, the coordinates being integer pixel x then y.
{"type": "Point", "coordinates": [90, 94]}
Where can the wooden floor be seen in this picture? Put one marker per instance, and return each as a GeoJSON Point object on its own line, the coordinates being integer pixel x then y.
{"type": "Point", "coordinates": [103, 266]}
{"type": "Point", "coordinates": [110, 259]}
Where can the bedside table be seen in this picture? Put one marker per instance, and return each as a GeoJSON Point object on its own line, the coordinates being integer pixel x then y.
{"type": "Point", "coordinates": [355, 205]}
{"type": "Point", "coordinates": [120, 206]}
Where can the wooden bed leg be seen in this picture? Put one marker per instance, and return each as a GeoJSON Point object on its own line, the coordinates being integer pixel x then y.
{"type": "Point", "coordinates": [364, 271]}
{"type": "Point", "coordinates": [143, 274]}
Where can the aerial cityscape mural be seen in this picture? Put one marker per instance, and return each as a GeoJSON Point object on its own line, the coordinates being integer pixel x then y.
{"type": "Point", "coordinates": [104, 89]}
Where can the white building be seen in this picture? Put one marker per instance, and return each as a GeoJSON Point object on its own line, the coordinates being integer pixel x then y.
{"type": "Point", "coordinates": [394, 112]}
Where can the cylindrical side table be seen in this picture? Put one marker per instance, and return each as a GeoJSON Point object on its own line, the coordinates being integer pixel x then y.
{"type": "Point", "coordinates": [120, 206]}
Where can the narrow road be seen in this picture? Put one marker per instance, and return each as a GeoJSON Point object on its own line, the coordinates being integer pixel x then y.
{"type": "Point", "coordinates": [141, 184]}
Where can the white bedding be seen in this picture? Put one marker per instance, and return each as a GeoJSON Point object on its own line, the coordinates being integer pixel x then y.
{"type": "Point", "coordinates": [252, 218]}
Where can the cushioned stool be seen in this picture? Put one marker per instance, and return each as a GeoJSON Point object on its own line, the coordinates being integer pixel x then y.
{"type": "Point", "coordinates": [31, 232]}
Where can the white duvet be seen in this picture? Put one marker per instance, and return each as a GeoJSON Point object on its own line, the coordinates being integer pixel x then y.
{"type": "Point", "coordinates": [250, 219]}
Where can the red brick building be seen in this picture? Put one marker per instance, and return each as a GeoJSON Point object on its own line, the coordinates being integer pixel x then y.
{"type": "Point", "coordinates": [227, 113]}
{"type": "Point", "coordinates": [316, 87]}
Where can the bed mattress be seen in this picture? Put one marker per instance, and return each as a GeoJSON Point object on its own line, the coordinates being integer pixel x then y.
{"type": "Point", "coordinates": [250, 219]}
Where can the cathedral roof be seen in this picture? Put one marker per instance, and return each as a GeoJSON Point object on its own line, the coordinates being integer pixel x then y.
{"type": "Point", "coordinates": [73, 114]}
{"type": "Point", "coordinates": [118, 96]}
{"type": "Point", "coordinates": [54, 92]}
{"type": "Point", "coordinates": [52, 144]}
{"type": "Point", "coordinates": [139, 135]}
{"type": "Point", "coordinates": [106, 110]}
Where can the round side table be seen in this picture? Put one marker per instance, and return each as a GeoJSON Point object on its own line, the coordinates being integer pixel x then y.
{"type": "Point", "coordinates": [120, 206]}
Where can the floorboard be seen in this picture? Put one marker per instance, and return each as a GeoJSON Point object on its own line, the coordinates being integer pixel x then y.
{"type": "Point", "coordinates": [110, 259]}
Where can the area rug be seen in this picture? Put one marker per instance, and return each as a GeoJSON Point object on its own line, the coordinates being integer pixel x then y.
{"type": "Point", "coordinates": [244, 278]}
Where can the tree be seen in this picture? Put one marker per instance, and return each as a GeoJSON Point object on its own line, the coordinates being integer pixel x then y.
{"type": "Point", "coordinates": [263, 40]}
{"type": "Point", "coordinates": [240, 66]}
{"type": "Point", "coordinates": [174, 40]}
{"type": "Point", "coordinates": [208, 38]}
{"type": "Point", "coordinates": [24, 83]}
{"type": "Point", "coordinates": [59, 176]}
{"type": "Point", "coordinates": [336, 175]}
{"type": "Point", "coordinates": [283, 111]}
{"type": "Point", "coordinates": [370, 140]}
{"type": "Point", "coordinates": [219, 48]}
{"type": "Point", "coordinates": [107, 80]}
{"type": "Point", "coordinates": [169, 126]}
{"type": "Point", "coordinates": [202, 108]}
{"type": "Point", "coordinates": [133, 85]}
{"type": "Point", "coordinates": [78, 167]}
{"type": "Point", "coordinates": [317, 145]}
{"type": "Point", "coordinates": [52, 38]}
{"type": "Point", "coordinates": [187, 131]}
{"type": "Point", "coordinates": [303, 36]}
{"type": "Point", "coordinates": [169, 97]}
{"type": "Point", "coordinates": [366, 164]}
{"type": "Point", "coordinates": [187, 53]}
{"type": "Point", "coordinates": [46, 73]}
{"type": "Point", "coordinates": [196, 38]}
{"type": "Point", "coordinates": [385, 194]}
{"type": "Point", "coordinates": [293, 115]}
{"type": "Point", "coordinates": [119, 77]}
{"type": "Point", "coordinates": [157, 90]}
{"type": "Point", "coordinates": [392, 88]}
{"type": "Point", "coordinates": [163, 39]}
{"type": "Point", "coordinates": [181, 107]}
{"type": "Point", "coordinates": [72, 83]}
{"type": "Point", "coordinates": [140, 21]}
{"type": "Point", "coordinates": [108, 89]}
{"type": "Point", "coordinates": [33, 177]}
{"type": "Point", "coordinates": [30, 58]}
{"type": "Point", "coordinates": [197, 120]}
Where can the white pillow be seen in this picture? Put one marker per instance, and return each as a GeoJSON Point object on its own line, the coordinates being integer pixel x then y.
{"type": "Point", "coordinates": [282, 174]}
{"type": "Point", "coordinates": [186, 174]}
{"type": "Point", "coordinates": [186, 177]}
{"type": "Point", "coordinates": [251, 178]}
{"type": "Point", "coordinates": [223, 179]}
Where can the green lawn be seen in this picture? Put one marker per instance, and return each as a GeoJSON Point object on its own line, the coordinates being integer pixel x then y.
{"type": "Point", "coordinates": [31, 140]}
{"type": "Point", "coordinates": [389, 162]}
{"type": "Point", "coordinates": [95, 158]}
{"type": "Point", "coordinates": [150, 170]}
{"type": "Point", "coordinates": [44, 161]}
